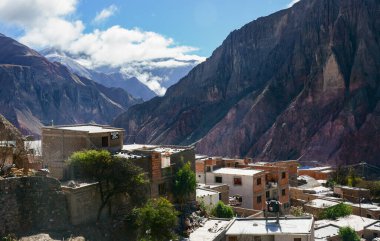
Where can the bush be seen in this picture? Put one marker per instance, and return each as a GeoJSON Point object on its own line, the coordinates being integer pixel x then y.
{"type": "Point", "coordinates": [222, 211]}
{"type": "Point", "coordinates": [156, 220]}
{"type": "Point", "coordinates": [336, 211]}
{"type": "Point", "coordinates": [348, 234]}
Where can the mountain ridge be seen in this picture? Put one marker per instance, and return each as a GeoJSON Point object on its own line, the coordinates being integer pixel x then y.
{"type": "Point", "coordinates": [35, 92]}
{"type": "Point", "coordinates": [302, 83]}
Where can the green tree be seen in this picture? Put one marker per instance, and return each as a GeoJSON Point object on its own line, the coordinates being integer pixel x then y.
{"type": "Point", "coordinates": [334, 212]}
{"type": "Point", "coordinates": [296, 211]}
{"type": "Point", "coordinates": [184, 183]}
{"type": "Point", "coordinates": [156, 220]}
{"type": "Point", "coordinates": [222, 211]}
{"type": "Point", "coordinates": [115, 176]}
{"type": "Point", "coordinates": [348, 234]}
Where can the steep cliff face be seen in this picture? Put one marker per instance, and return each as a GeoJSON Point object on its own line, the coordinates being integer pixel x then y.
{"type": "Point", "coordinates": [302, 83]}
{"type": "Point", "coordinates": [35, 92]}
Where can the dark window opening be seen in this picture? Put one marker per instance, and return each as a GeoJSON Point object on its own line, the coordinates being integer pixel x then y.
{"type": "Point", "coordinates": [208, 169]}
{"type": "Point", "coordinates": [105, 141]}
{"type": "Point", "coordinates": [283, 175]}
{"type": "Point", "coordinates": [283, 192]}
{"type": "Point", "coordinates": [162, 189]}
{"type": "Point", "coordinates": [218, 179]}
{"type": "Point", "coordinates": [267, 194]}
{"type": "Point", "coordinates": [258, 181]}
{"type": "Point", "coordinates": [237, 181]}
{"type": "Point", "coordinates": [258, 199]}
{"type": "Point", "coordinates": [297, 239]}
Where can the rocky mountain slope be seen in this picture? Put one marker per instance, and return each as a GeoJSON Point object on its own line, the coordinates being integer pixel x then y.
{"type": "Point", "coordinates": [302, 83]}
{"type": "Point", "coordinates": [116, 79]}
{"type": "Point", "coordinates": [35, 92]}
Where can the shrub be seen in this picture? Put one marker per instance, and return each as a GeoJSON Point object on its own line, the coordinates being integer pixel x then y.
{"type": "Point", "coordinates": [222, 211]}
{"type": "Point", "coordinates": [348, 234]}
{"type": "Point", "coordinates": [336, 211]}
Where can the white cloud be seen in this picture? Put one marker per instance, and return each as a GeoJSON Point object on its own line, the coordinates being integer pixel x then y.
{"type": "Point", "coordinates": [50, 23]}
{"type": "Point", "coordinates": [105, 13]}
{"type": "Point", "coordinates": [292, 3]}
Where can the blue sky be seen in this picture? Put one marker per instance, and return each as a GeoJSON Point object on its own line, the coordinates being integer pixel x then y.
{"type": "Point", "coordinates": [203, 24]}
{"type": "Point", "coordinates": [132, 36]}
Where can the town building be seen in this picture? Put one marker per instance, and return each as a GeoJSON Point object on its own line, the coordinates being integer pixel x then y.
{"type": "Point", "coordinates": [319, 173]}
{"type": "Point", "coordinates": [329, 232]}
{"type": "Point", "coordinates": [246, 184]}
{"type": "Point", "coordinates": [355, 222]}
{"type": "Point", "coordinates": [83, 201]}
{"type": "Point", "coordinates": [59, 142]}
{"type": "Point", "coordinates": [352, 194]}
{"type": "Point", "coordinates": [372, 231]}
{"type": "Point", "coordinates": [222, 189]}
{"type": "Point", "coordinates": [211, 230]}
{"type": "Point", "coordinates": [286, 229]}
{"type": "Point", "coordinates": [317, 206]}
{"type": "Point", "coordinates": [208, 197]}
{"type": "Point", "coordinates": [160, 163]}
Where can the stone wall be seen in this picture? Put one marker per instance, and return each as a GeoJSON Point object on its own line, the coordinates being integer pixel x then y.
{"type": "Point", "coordinates": [30, 204]}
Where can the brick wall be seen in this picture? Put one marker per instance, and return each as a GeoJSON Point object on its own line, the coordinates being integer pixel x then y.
{"type": "Point", "coordinates": [31, 203]}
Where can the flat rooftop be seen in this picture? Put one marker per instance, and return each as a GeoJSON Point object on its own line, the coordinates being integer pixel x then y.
{"type": "Point", "coordinates": [320, 203]}
{"type": "Point", "coordinates": [237, 171]}
{"type": "Point", "coordinates": [261, 226]}
{"type": "Point", "coordinates": [211, 229]}
{"type": "Point", "coordinates": [356, 222]}
{"type": "Point", "coordinates": [323, 233]}
{"type": "Point", "coordinates": [324, 168]}
{"type": "Point", "coordinates": [202, 192]}
{"type": "Point", "coordinates": [374, 227]}
{"type": "Point", "coordinates": [154, 148]}
{"type": "Point", "coordinates": [89, 128]}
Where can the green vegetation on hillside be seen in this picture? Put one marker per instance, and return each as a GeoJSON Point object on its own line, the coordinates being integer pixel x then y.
{"type": "Point", "coordinates": [337, 211]}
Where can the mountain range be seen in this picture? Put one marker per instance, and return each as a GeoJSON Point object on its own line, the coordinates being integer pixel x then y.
{"type": "Point", "coordinates": [36, 92]}
{"type": "Point", "coordinates": [302, 83]}
{"type": "Point", "coordinates": [125, 76]}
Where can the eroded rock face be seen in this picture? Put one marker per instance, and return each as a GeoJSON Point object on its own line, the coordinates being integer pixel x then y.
{"type": "Point", "coordinates": [35, 92]}
{"type": "Point", "coordinates": [302, 83]}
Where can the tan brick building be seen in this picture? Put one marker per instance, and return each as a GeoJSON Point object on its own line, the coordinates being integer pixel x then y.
{"type": "Point", "coordinates": [59, 142]}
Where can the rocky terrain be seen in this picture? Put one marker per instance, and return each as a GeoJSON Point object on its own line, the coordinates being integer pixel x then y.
{"type": "Point", "coordinates": [302, 83]}
{"type": "Point", "coordinates": [36, 92]}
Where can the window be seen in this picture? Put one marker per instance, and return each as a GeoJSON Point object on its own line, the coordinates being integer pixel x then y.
{"type": "Point", "coordinates": [162, 189]}
{"type": "Point", "coordinates": [257, 238]}
{"type": "Point", "coordinates": [267, 194]}
{"type": "Point", "coordinates": [258, 199]}
{"type": "Point", "coordinates": [237, 181]}
{"type": "Point", "coordinates": [369, 216]}
{"type": "Point", "coordinates": [208, 169]}
{"type": "Point", "coordinates": [283, 192]}
{"type": "Point", "coordinates": [218, 179]}
{"type": "Point", "coordinates": [283, 175]}
{"type": "Point", "coordinates": [258, 181]}
{"type": "Point", "coordinates": [105, 141]}
{"type": "Point", "coordinates": [297, 239]}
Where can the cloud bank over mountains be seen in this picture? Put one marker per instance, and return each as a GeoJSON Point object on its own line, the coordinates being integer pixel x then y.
{"type": "Point", "coordinates": [53, 24]}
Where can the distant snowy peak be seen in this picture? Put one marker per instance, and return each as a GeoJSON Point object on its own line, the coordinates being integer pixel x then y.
{"type": "Point", "coordinates": [157, 74]}
{"type": "Point", "coordinates": [70, 63]}
{"type": "Point", "coordinates": [107, 76]}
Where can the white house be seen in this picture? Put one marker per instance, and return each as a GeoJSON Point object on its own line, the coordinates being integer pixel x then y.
{"type": "Point", "coordinates": [261, 229]}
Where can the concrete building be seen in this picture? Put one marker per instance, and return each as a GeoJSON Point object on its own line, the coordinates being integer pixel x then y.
{"type": "Point", "coordinates": [208, 197]}
{"type": "Point", "coordinates": [329, 232]}
{"type": "Point", "coordinates": [365, 210]}
{"type": "Point", "coordinates": [372, 231]}
{"type": "Point", "coordinates": [222, 189]}
{"type": "Point", "coordinates": [287, 229]}
{"type": "Point", "coordinates": [352, 194]}
{"type": "Point", "coordinates": [59, 142]}
{"type": "Point", "coordinates": [247, 184]}
{"type": "Point", "coordinates": [211, 230]}
{"type": "Point", "coordinates": [317, 206]}
{"type": "Point", "coordinates": [319, 173]}
{"type": "Point", "coordinates": [160, 163]}
{"type": "Point", "coordinates": [83, 201]}
{"type": "Point", "coordinates": [356, 222]}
